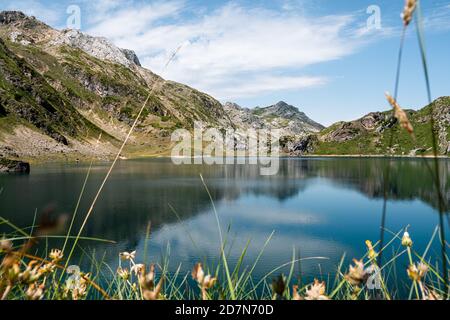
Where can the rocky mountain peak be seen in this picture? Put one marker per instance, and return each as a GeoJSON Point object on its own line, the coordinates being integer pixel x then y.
{"type": "Point", "coordinates": [100, 48]}
{"type": "Point", "coordinates": [19, 19]}
{"type": "Point", "coordinates": [284, 110]}
{"type": "Point", "coordinates": [233, 106]}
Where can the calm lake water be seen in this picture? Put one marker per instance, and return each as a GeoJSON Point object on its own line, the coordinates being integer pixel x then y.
{"type": "Point", "coordinates": [317, 207]}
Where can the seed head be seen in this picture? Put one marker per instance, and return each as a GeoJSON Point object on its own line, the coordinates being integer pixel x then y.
{"type": "Point", "coordinates": [35, 292]}
{"type": "Point", "coordinates": [316, 291]}
{"type": "Point", "coordinates": [127, 255]}
{"type": "Point", "coordinates": [406, 240]}
{"type": "Point", "coordinates": [408, 11]}
{"type": "Point", "coordinates": [372, 253]}
{"type": "Point", "coordinates": [400, 115]}
{"type": "Point", "coordinates": [357, 275]}
{"type": "Point", "coordinates": [123, 273]}
{"type": "Point", "coordinates": [416, 272]}
{"type": "Point", "coordinates": [295, 295]}
{"type": "Point", "coordinates": [56, 255]}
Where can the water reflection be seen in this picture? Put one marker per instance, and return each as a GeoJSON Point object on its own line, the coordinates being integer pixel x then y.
{"type": "Point", "coordinates": [320, 207]}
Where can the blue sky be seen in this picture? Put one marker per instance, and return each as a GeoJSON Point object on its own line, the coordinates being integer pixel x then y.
{"type": "Point", "coordinates": [318, 55]}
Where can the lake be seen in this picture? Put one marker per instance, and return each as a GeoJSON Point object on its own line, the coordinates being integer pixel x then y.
{"type": "Point", "coordinates": [320, 208]}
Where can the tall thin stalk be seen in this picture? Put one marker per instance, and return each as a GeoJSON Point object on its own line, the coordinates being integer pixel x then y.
{"type": "Point", "coordinates": [387, 172]}
{"type": "Point", "coordinates": [108, 174]}
{"type": "Point", "coordinates": [437, 179]}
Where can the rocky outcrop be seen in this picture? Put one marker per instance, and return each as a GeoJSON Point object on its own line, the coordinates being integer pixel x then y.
{"type": "Point", "coordinates": [282, 116]}
{"type": "Point", "coordinates": [99, 48]}
{"type": "Point", "coordinates": [18, 18]}
{"type": "Point", "coordinates": [14, 166]}
{"type": "Point", "coordinates": [301, 146]}
{"type": "Point", "coordinates": [378, 133]}
{"type": "Point", "coordinates": [442, 119]}
{"type": "Point", "coordinates": [243, 117]}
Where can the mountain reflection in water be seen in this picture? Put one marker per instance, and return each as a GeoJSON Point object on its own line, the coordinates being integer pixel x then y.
{"type": "Point", "coordinates": [321, 207]}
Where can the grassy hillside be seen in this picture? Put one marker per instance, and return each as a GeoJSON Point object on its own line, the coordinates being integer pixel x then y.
{"type": "Point", "coordinates": [62, 93]}
{"type": "Point", "coordinates": [371, 135]}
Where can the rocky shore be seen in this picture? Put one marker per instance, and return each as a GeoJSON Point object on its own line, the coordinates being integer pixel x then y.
{"type": "Point", "coordinates": [14, 166]}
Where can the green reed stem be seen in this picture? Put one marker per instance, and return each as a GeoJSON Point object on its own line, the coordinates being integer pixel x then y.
{"type": "Point", "coordinates": [222, 249]}
{"type": "Point", "coordinates": [420, 37]}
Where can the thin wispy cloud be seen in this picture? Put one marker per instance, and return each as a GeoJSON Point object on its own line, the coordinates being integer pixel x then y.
{"type": "Point", "coordinates": [233, 51]}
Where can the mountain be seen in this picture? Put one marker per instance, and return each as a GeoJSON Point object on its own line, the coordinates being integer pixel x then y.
{"type": "Point", "coordinates": [279, 116]}
{"type": "Point", "coordinates": [62, 90]}
{"type": "Point", "coordinates": [371, 134]}
{"type": "Point", "coordinates": [59, 90]}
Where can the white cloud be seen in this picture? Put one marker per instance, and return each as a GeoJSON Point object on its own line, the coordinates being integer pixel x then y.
{"type": "Point", "coordinates": [131, 21]}
{"type": "Point", "coordinates": [233, 51]}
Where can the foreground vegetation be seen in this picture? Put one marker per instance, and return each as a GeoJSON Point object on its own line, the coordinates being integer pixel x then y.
{"type": "Point", "coordinates": [26, 276]}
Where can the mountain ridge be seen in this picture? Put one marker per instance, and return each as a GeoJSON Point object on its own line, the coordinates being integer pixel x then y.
{"type": "Point", "coordinates": [103, 86]}
{"type": "Point", "coordinates": [61, 90]}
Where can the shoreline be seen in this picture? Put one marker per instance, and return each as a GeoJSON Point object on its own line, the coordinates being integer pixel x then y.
{"type": "Point", "coordinates": [39, 162]}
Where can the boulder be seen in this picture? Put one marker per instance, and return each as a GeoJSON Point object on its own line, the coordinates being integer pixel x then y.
{"type": "Point", "coordinates": [14, 166]}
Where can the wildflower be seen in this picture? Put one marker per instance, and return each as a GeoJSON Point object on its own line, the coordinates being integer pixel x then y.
{"type": "Point", "coordinates": [127, 255]}
{"type": "Point", "coordinates": [357, 275]}
{"type": "Point", "coordinates": [80, 289]}
{"type": "Point", "coordinates": [137, 269]}
{"type": "Point", "coordinates": [205, 282]}
{"type": "Point", "coordinates": [76, 284]}
{"type": "Point", "coordinates": [400, 114]}
{"type": "Point", "coordinates": [417, 272]}
{"type": "Point", "coordinates": [410, 7]}
{"type": "Point", "coordinates": [316, 291]}
{"type": "Point", "coordinates": [47, 268]}
{"type": "Point", "coordinates": [35, 292]}
{"type": "Point", "coordinates": [123, 273]}
{"type": "Point", "coordinates": [372, 253]}
{"type": "Point", "coordinates": [56, 255]}
{"type": "Point", "coordinates": [295, 295]}
{"type": "Point", "coordinates": [197, 273]}
{"type": "Point", "coordinates": [31, 274]}
{"type": "Point", "coordinates": [406, 240]}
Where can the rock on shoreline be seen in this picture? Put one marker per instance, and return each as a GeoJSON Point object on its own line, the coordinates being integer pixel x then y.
{"type": "Point", "coordinates": [14, 166]}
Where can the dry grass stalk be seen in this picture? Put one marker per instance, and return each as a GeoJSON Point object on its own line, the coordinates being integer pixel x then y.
{"type": "Point", "coordinates": [400, 115]}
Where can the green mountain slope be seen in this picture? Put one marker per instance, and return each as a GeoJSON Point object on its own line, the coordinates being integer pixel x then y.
{"type": "Point", "coordinates": [69, 87]}
{"type": "Point", "coordinates": [371, 135]}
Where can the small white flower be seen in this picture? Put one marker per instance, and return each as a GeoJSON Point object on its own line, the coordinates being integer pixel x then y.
{"type": "Point", "coordinates": [127, 255]}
